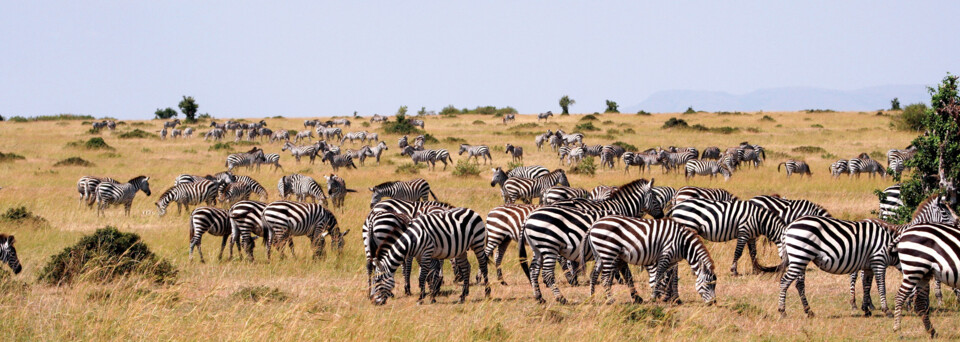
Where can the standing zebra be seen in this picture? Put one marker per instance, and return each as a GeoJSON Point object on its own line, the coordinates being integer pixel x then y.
{"type": "Point", "coordinates": [533, 171]}
{"type": "Point", "coordinates": [544, 116]}
{"type": "Point", "coordinates": [673, 160]}
{"type": "Point", "coordinates": [789, 210]}
{"type": "Point", "coordinates": [838, 168]}
{"type": "Point", "coordinates": [245, 219]}
{"type": "Point", "coordinates": [302, 151]}
{"type": "Point", "coordinates": [345, 122]}
{"type": "Point", "coordinates": [362, 136]}
{"type": "Point", "coordinates": [425, 156]}
{"type": "Point", "coordinates": [562, 193]}
{"type": "Point", "coordinates": [337, 189]}
{"type": "Point", "coordinates": [722, 221]}
{"type": "Point", "coordinates": [209, 220]}
{"type": "Point", "coordinates": [241, 190]}
{"type": "Point", "coordinates": [410, 208]}
{"type": "Point", "coordinates": [526, 189]}
{"type": "Point", "coordinates": [248, 159]}
{"type": "Point", "coordinates": [658, 199]}
{"type": "Point", "coordinates": [188, 132]}
{"type": "Point", "coordinates": [301, 186]}
{"type": "Point", "coordinates": [505, 224]}
{"type": "Point", "coordinates": [476, 152]}
{"type": "Point", "coordinates": [890, 202]}
{"type": "Point", "coordinates": [171, 124]}
{"type": "Point", "coordinates": [865, 165]}
{"type": "Point", "coordinates": [338, 160]}
{"type": "Point", "coordinates": [515, 151]}
{"type": "Point", "coordinates": [706, 168]}
{"type": "Point", "coordinates": [402, 142]}
{"type": "Point", "coordinates": [175, 133]}
{"type": "Point", "coordinates": [655, 244]}
{"type": "Point", "coordinates": [542, 138]}
{"type": "Point", "coordinates": [689, 192]}
{"type": "Point", "coordinates": [377, 150]}
{"type": "Point", "coordinates": [163, 134]}
{"type": "Point", "coordinates": [711, 152]}
{"type": "Point", "coordinates": [280, 135]}
{"type": "Point", "coordinates": [373, 137]}
{"type": "Point", "coordinates": [185, 194]}
{"type": "Point", "coordinates": [417, 122]}
{"type": "Point", "coordinates": [508, 118]}
{"type": "Point", "coordinates": [286, 219]}
{"type": "Point", "coordinates": [925, 251]}
{"type": "Point", "coordinates": [87, 187]}
{"type": "Point", "coordinates": [271, 159]}
{"type": "Point", "coordinates": [575, 155]}
{"type": "Point", "coordinates": [302, 135]}
{"type": "Point", "coordinates": [8, 254]}
{"type": "Point", "coordinates": [216, 134]}
{"type": "Point", "coordinates": [431, 239]}
{"type": "Point", "coordinates": [411, 190]}
{"type": "Point", "coordinates": [795, 166]}
{"type": "Point", "coordinates": [113, 193]}
{"type": "Point", "coordinates": [896, 159]}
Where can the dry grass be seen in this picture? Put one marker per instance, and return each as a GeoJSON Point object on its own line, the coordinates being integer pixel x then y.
{"type": "Point", "coordinates": [326, 299]}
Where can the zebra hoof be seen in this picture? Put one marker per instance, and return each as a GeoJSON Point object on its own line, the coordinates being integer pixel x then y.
{"type": "Point", "coordinates": [562, 300]}
{"type": "Point", "coordinates": [810, 314]}
{"type": "Point", "coordinates": [540, 300]}
{"type": "Point", "coordinates": [637, 300]}
{"type": "Point", "coordinates": [783, 314]}
{"type": "Point", "coordinates": [888, 314]}
{"type": "Point", "coordinates": [866, 313]}
{"type": "Point", "coordinates": [486, 292]}
{"type": "Point", "coordinates": [503, 283]}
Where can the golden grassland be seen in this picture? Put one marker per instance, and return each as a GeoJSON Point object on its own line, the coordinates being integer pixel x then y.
{"type": "Point", "coordinates": [326, 299]}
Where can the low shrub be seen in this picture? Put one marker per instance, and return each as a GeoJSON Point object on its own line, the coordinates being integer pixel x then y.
{"type": "Point", "coordinates": [642, 112]}
{"type": "Point", "coordinates": [524, 125]}
{"type": "Point", "coordinates": [9, 157]}
{"type": "Point", "coordinates": [21, 216]}
{"type": "Point", "coordinates": [753, 130]}
{"type": "Point", "coordinates": [260, 294]}
{"type": "Point", "coordinates": [479, 122]}
{"type": "Point", "coordinates": [106, 255]}
{"type": "Point", "coordinates": [466, 169]}
{"type": "Point", "coordinates": [625, 146]}
{"type": "Point", "coordinates": [809, 149]}
{"type": "Point", "coordinates": [689, 111]}
{"type": "Point", "coordinates": [629, 131]}
{"type": "Point", "coordinates": [587, 166]}
{"type": "Point", "coordinates": [430, 139]}
{"type": "Point", "coordinates": [586, 127]}
{"type": "Point", "coordinates": [818, 110]}
{"type": "Point", "coordinates": [767, 118]}
{"type": "Point", "coordinates": [613, 131]}
{"type": "Point", "coordinates": [136, 134]}
{"type": "Point", "coordinates": [728, 113]}
{"type": "Point", "coordinates": [454, 140]}
{"type": "Point", "coordinates": [607, 122]}
{"type": "Point", "coordinates": [675, 122]}
{"type": "Point", "coordinates": [878, 155]}
{"type": "Point", "coordinates": [221, 146]}
{"type": "Point", "coordinates": [19, 119]}
{"type": "Point", "coordinates": [365, 124]}
{"type": "Point", "coordinates": [513, 165]}
{"type": "Point", "coordinates": [911, 118]}
{"type": "Point", "coordinates": [400, 125]}
{"type": "Point", "coordinates": [97, 144]}
{"type": "Point", "coordinates": [409, 168]}
{"type": "Point", "coordinates": [589, 117]}
{"type": "Point", "coordinates": [74, 161]}
{"type": "Point", "coordinates": [816, 126]}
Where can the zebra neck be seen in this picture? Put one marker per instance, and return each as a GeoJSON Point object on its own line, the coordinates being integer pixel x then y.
{"type": "Point", "coordinates": [402, 249]}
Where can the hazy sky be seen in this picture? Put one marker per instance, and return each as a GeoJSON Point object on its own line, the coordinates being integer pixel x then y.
{"type": "Point", "coordinates": [293, 58]}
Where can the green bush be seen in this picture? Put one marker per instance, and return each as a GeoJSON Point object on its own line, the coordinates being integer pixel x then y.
{"type": "Point", "coordinates": [466, 169]}
{"type": "Point", "coordinates": [454, 140]}
{"type": "Point", "coordinates": [260, 294]}
{"type": "Point", "coordinates": [137, 134]}
{"type": "Point", "coordinates": [818, 110]}
{"type": "Point", "coordinates": [21, 216]}
{"type": "Point", "coordinates": [365, 124]}
{"type": "Point", "coordinates": [625, 146]}
{"type": "Point", "coordinates": [479, 122]}
{"type": "Point", "coordinates": [524, 125]}
{"type": "Point", "coordinates": [629, 131]}
{"type": "Point", "coordinates": [809, 149]}
{"type": "Point", "coordinates": [586, 127]}
{"type": "Point", "coordinates": [105, 255]}
{"type": "Point", "coordinates": [911, 118]}
{"type": "Point", "coordinates": [689, 111]}
{"type": "Point", "coordinates": [400, 125]}
{"type": "Point", "coordinates": [767, 118]}
{"type": "Point", "coordinates": [97, 144]}
{"type": "Point", "coordinates": [220, 146]}
{"type": "Point", "coordinates": [19, 119]}
{"type": "Point", "coordinates": [816, 126]}
{"type": "Point", "coordinates": [642, 112]}
{"type": "Point", "coordinates": [728, 113]}
{"type": "Point", "coordinates": [409, 168]}
{"type": "Point", "coordinates": [9, 157]}
{"type": "Point", "coordinates": [74, 161]}
{"type": "Point", "coordinates": [589, 117]}
{"type": "Point", "coordinates": [675, 122]}
{"type": "Point", "coordinates": [513, 165]}
{"type": "Point", "coordinates": [585, 167]}
{"type": "Point", "coordinates": [57, 117]}
{"type": "Point", "coordinates": [613, 131]}
{"type": "Point", "coordinates": [430, 139]}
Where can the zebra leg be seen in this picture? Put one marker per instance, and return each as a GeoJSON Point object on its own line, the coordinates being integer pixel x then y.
{"type": "Point", "coordinates": [597, 269]}
{"type": "Point", "coordinates": [535, 266]}
{"type": "Point", "coordinates": [318, 244]}
{"type": "Point", "coordinates": [879, 271]}
{"type": "Point", "coordinates": [741, 241]}
{"type": "Point", "coordinates": [907, 288]}
{"type": "Point", "coordinates": [867, 304]}
{"type": "Point", "coordinates": [549, 277]}
{"type": "Point", "coordinates": [794, 270]}
{"type": "Point", "coordinates": [922, 305]}
{"type": "Point", "coordinates": [483, 260]}
{"type": "Point", "coordinates": [607, 271]}
{"type": "Point", "coordinates": [853, 290]}
{"type": "Point", "coordinates": [463, 265]}
{"type": "Point", "coordinates": [435, 278]}
{"type": "Point", "coordinates": [370, 277]}
{"type": "Point", "coordinates": [628, 278]}
{"type": "Point", "coordinates": [425, 274]}
{"type": "Point", "coordinates": [938, 292]}
{"type": "Point", "coordinates": [222, 245]}
{"type": "Point", "coordinates": [407, 269]}
{"type": "Point", "coordinates": [801, 290]}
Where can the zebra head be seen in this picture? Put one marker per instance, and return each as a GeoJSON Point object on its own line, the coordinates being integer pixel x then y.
{"type": "Point", "coordinates": [463, 148]}
{"type": "Point", "coordinates": [406, 151]}
{"type": "Point", "coordinates": [498, 177]}
{"type": "Point", "coordinates": [383, 284]}
{"type": "Point", "coordinates": [508, 149]}
{"type": "Point", "coordinates": [706, 279]}
{"type": "Point", "coordinates": [378, 192]}
{"type": "Point", "coordinates": [653, 206]}
{"type": "Point", "coordinates": [562, 178]}
{"type": "Point", "coordinates": [725, 171]}
{"type": "Point", "coordinates": [8, 254]}
{"type": "Point", "coordinates": [142, 183]}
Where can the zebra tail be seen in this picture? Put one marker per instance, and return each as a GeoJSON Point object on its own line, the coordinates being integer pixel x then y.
{"type": "Point", "coordinates": [434, 195]}
{"type": "Point", "coordinates": [784, 261]}
{"type": "Point", "coordinates": [522, 246]}
{"type": "Point", "coordinates": [191, 229]}
{"type": "Point", "coordinates": [778, 166]}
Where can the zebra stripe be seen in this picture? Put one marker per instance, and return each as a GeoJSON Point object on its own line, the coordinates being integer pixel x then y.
{"type": "Point", "coordinates": [890, 202]}
{"type": "Point", "coordinates": [241, 190]}
{"type": "Point", "coordinates": [302, 187]}
{"type": "Point", "coordinates": [706, 168]}
{"type": "Point", "coordinates": [299, 151]}
{"type": "Point", "coordinates": [544, 116]}
{"type": "Point", "coordinates": [514, 151]}
{"type": "Point", "coordinates": [186, 194]}
{"type": "Point", "coordinates": [896, 159]}
{"type": "Point", "coordinates": [533, 171]}
{"type": "Point", "coordinates": [302, 135]}
{"type": "Point", "coordinates": [380, 231]}
{"type": "Point", "coordinates": [209, 220]}
{"type": "Point", "coordinates": [245, 219]}
{"type": "Point", "coordinates": [795, 166]}
{"type": "Point", "coordinates": [286, 219]}
{"type": "Point", "coordinates": [689, 192]}
{"type": "Point", "coordinates": [8, 254]}
{"type": "Point", "coordinates": [411, 190]}
{"type": "Point", "coordinates": [658, 199]}
{"type": "Point", "coordinates": [865, 165]}
{"type": "Point", "coordinates": [926, 251]}
{"type": "Point", "coordinates": [505, 224]}
{"type": "Point", "coordinates": [410, 208]}
{"type": "Point", "coordinates": [425, 156]}
{"type": "Point", "coordinates": [248, 159]}
{"type": "Point", "coordinates": [114, 193]}
{"type": "Point", "coordinates": [87, 187]}
{"type": "Point", "coordinates": [362, 136]}
{"type": "Point", "coordinates": [673, 160]}
{"type": "Point", "coordinates": [789, 210]}
{"type": "Point", "coordinates": [838, 168]}
{"type": "Point", "coordinates": [337, 189]}
{"type": "Point", "coordinates": [526, 189]}
{"type": "Point", "coordinates": [562, 193]}
{"type": "Point", "coordinates": [476, 152]}
{"type": "Point", "coordinates": [338, 160]}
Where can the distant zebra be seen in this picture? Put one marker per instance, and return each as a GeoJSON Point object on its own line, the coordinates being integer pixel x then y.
{"type": "Point", "coordinates": [280, 135]}
{"type": "Point", "coordinates": [795, 166]}
{"type": "Point", "coordinates": [562, 193]}
{"type": "Point", "coordinates": [412, 190]}
{"type": "Point", "coordinates": [576, 155]}
{"type": "Point", "coordinates": [302, 135]}
{"type": "Point", "coordinates": [337, 189]}
{"type": "Point", "coordinates": [508, 118]}
{"type": "Point", "coordinates": [540, 139]}
{"type": "Point", "coordinates": [410, 208]}
{"type": "Point", "coordinates": [330, 133]}
{"type": "Point", "coordinates": [338, 160]}
{"type": "Point", "coordinates": [188, 132]}
{"type": "Point", "coordinates": [504, 224]}
{"type": "Point", "coordinates": [544, 116]}
{"type": "Point", "coordinates": [658, 199]}
{"type": "Point", "coordinates": [286, 219]}
{"type": "Point", "coordinates": [248, 159]}
{"type": "Point", "coordinates": [186, 194]}
{"type": "Point", "coordinates": [567, 139]}
{"type": "Point", "coordinates": [515, 151]}
{"type": "Point", "coordinates": [838, 168]}
{"type": "Point", "coordinates": [360, 154]}
{"type": "Point", "coordinates": [591, 150]}
{"type": "Point", "coordinates": [789, 210]}
{"type": "Point", "coordinates": [8, 254]}
{"type": "Point", "coordinates": [271, 159]}
{"type": "Point", "coordinates": [711, 152]}
{"type": "Point", "coordinates": [239, 135]}
{"type": "Point", "coordinates": [476, 152]}
{"type": "Point", "coordinates": [265, 133]}
{"type": "Point", "coordinates": [426, 156]}
{"type": "Point", "coordinates": [753, 155]}
{"type": "Point", "coordinates": [362, 136]}
{"type": "Point", "coordinates": [868, 166]}
{"type": "Point", "coordinates": [925, 252]}
{"type": "Point", "coordinates": [689, 192]}
{"type": "Point", "coordinates": [896, 159]}
{"type": "Point", "coordinates": [112, 125]}
{"type": "Point", "coordinates": [163, 134]}
{"type": "Point", "coordinates": [673, 160]}
{"type": "Point", "coordinates": [299, 151]}
{"type": "Point", "coordinates": [175, 133]}
{"type": "Point", "coordinates": [431, 239]}
{"type": "Point", "coordinates": [378, 118]}
{"type": "Point", "coordinates": [171, 124]}
{"type": "Point", "coordinates": [610, 154]}
{"type": "Point", "coordinates": [721, 221]}
{"type": "Point", "coordinates": [563, 153]}
{"type": "Point", "coordinates": [706, 168]}
{"type": "Point", "coordinates": [211, 220]}
{"type": "Point", "coordinates": [216, 134]}
{"type": "Point", "coordinates": [616, 241]}
{"type": "Point", "coordinates": [113, 193]}
{"type": "Point", "coordinates": [526, 189]}
{"type": "Point", "coordinates": [555, 143]}
{"type": "Point", "coordinates": [301, 186]}
{"type": "Point", "coordinates": [417, 123]}
{"type": "Point", "coordinates": [890, 202]}
{"type": "Point", "coordinates": [87, 187]}
{"type": "Point", "coordinates": [241, 190]}
{"type": "Point", "coordinates": [373, 137]}
{"type": "Point", "coordinates": [246, 219]}
{"type": "Point", "coordinates": [376, 151]}
{"type": "Point", "coordinates": [310, 123]}
{"type": "Point", "coordinates": [402, 142]}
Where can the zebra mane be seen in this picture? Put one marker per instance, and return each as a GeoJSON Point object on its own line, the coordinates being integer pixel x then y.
{"type": "Point", "coordinates": [892, 228]}
{"type": "Point", "coordinates": [630, 187]}
{"type": "Point", "coordinates": [254, 150]}
{"type": "Point", "coordinates": [383, 185]}
{"type": "Point", "coordinates": [924, 204]}
{"type": "Point", "coordinates": [136, 179]}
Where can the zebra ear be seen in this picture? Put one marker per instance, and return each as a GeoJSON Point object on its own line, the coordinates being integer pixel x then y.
{"type": "Point", "coordinates": [651, 182]}
{"type": "Point", "coordinates": [345, 233]}
{"type": "Point", "coordinates": [371, 189]}
{"type": "Point", "coordinates": [10, 239]}
{"type": "Point", "coordinates": [146, 178]}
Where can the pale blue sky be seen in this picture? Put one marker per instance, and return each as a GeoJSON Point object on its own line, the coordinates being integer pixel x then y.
{"type": "Point", "coordinates": [302, 58]}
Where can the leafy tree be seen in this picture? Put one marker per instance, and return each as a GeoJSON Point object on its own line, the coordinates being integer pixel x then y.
{"type": "Point", "coordinates": [188, 106]}
{"type": "Point", "coordinates": [422, 111]}
{"type": "Point", "coordinates": [612, 107]}
{"type": "Point", "coordinates": [911, 118]}
{"type": "Point", "coordinates": [937, 162]}
{"type": "Point", "coordinates": [402, 111]}
{"type": "Point", "coordinates": [690, 110]}
{"type": "Point", "coordinates": [895, 104]}
{"type": "Point", "coordinates": [165, 113]}
{"type": "Point", "coordinates": [449, 110]}
{"type": "Point", "coordinates": [355, 114]}
{"type": "Point", "coordinates": [565, 103]}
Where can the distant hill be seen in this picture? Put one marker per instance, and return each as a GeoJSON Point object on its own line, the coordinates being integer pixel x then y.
{"type": "Point", "coordinates": [785, 99]}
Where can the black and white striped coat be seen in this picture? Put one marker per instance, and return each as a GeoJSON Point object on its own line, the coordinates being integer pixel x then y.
{"type": "Point", "coordinates": [890, 202]}
{"type": "Point", "coordinates": [345, 122]}
{"type": "Point", "coordinates": [362, 136]}
{"type": "Point", "coordinates": [330, 133]}
{"type": "Point", "coordinates": [187, 194]}
{"type": "Point", "coordinates": [533, 171]}
{"type": "Point", "coordinates": [722, 221]}
{"type": "Point", "coordinates": [337, 189]}
{"type": "Point", "coordinates": [925, 252]}
{"type": "Point", "coordinates": [410, 208]}
{"type": "Point", "coordinates": [711, 152]}
{"type": "Point", "coordinates": [526, 189]}
{"type": "Point", "coordinates": [505, 224]}
{"type": "Point", "coordinates": [271, 159]}
{"type": "Point", "coordinates": [87, 187]}
{"type": "Point", "coordinates": [431, 239]}
{"type": "Point", "coordinates": [411, 190]}
{"type": "Point", "coordinates": [241, 190]}
{"type": "Point", "coordinates": [706, 168]}
{"type": "Point", "coordinates": [476, 151]}
{"type": "Point", "coordinates": [425, 156]}
{"type": "Point", "coordinates": [689, 192]}
{"type": "Point", "coordinates": [514, 151]}
{"type": "Point", "coordinates": [377, 150]}
{"type": "Point", "coordinates": [246, 218]}
{"type": "Point", "coordinates": [171, 124]}
{"type": "Point", "coordinates": [789, 210]}
{"type": "Point", "coordinates": [544, 116]}
{"type": "Point", "coordinates": [657, 245]}
{"type": "Point", "coordinates": [300, 151]}
{"type": "Point", "coordinates": [658, 199]}
{"type": "Point", "coordinates": [248, 159]}
{"type": "Point", "coordinates": [280, 135]}
{"type": "Point", "coordinates": [562, 193]}
{"type": "Point", "coordinates": [508, 118]}
{"type": "Point", "coordinates": [216, 134]}
{"type": "Point", "coordinates": [8, 253]}
{"type": "Point", "coordinates": [380, 231]}
{"type": "Point", "coordinates": [302, 187]}
{"type": "Point", "coordinates": [838, 168]}
{"type": "Point", "coordinates": [871, 167]}
{"type": "Point", "coordinates": [303, 135]}
{"type": "Point", "coordinates": [795, 166]}
{"type": "Point", "coordinates": [417, 122]}
{"type": "Point", "coordinates": [114, 193]}
{"type": "Point", "coordinates": [610, 154]}
{"type": "Point", "coordinates": [338, 160]}
{"type": "Point", "coordinates": [896, 159]}
{"type": "Point", "coordinates": [286, 219]}
{"type": "Point", "coordinates": [673, 160]}
{"type": "Point", "coordinates": [211, 220]}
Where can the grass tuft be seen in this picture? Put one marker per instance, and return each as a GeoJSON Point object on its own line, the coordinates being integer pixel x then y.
{"type": "Point", "coordinates": [104, 256]}
{"type": "Point", "coordinates": [74, 161]}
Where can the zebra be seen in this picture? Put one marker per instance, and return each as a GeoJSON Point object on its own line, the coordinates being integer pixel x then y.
{"type": "Point", "coordinates": [345, 122]}
{"type": "Point", "coordinates": [417, 123]}
{"type": "Point", "coordinates": [163, 134]}
{"type": "Point", "coordinates": [302, 135]}
{"type": "Point", "coordinates": [280, 135]}
{"type": "Point", "coordinates": [216, 134]}
{"type": "Point", "coordinates": [641, 159]}
{"type": "Point", "coordinates": [706, 168]}
{"type": "Point", "coordinates": [711, 152]}
{"type": "Point", "coordinates": [731, 160]}
{"type": "Point", "coordinates": [97, 126]}
{"type": "Point", "coordinates": [656, 245]}
{"type": "Point", "coordinates": [504, 224]}
{"type": "Point", "coordinates": [544, 116]}
{"type": "Point", "coordinates": [591, 150]}
{"type": "Point", "coordinates": [533, 171]}
{"type": "Point", "coordinates": [554, 142]}
{"type": "Point", "coordinates": [557, 230]}
{"type": "Point", "coordinates": [722, 221]}
{"type": "Point", "coordinates": [508, 118]}
{"type": "Point", "coordinates": [245, 219]}
{"type": "Point", "coordinates": [540, 139]}
{"type": "Point", "coordinates": [418, 142]}
{"type": "Point", "coordinates": [610, 154]}
{"type": "Point", "coordinates": [753, 155]}
{"type": "Point", "coordinates": [563, 152]}
{"type": "Point", "coordinates": [431, 239]}
{"type": "Point", "coordinates": [789, 210]}
{"type": "Point", "coordinates": [576, 155]}
{"type": "Point", "coordinates": [360, 154]}
{"type": "Point", "coordinates": [239, 135]}
{"type": "Point", "coordinates": [515, 151]}
{"type": "Point", "coordinates": [241, 190]}
{"type": "Point", "coordinates": [890, 202]}
{"type": "Point", "coordinates": [337, 189]}
{"type": "Point", "coordinates": [673, 160]}
{"type": "Point", "coordinates": [373, 137]}
{"type": "Point", "coordinates": [264, 132]}
{"type": "Point", "coordinates": [248, 159]}
{"type": "Point", "coordinates": [925, 251]}
{"type": "Point", "coordinates": [214, 124]}
{"type": "Point", "coordinates": [838, 168]}
{"type": "Point", "coordinates": [867, 165]}
{"type": "Point", "coordinates": [380, 231]}
{"type": "Point", "coordinates": [271, 159]}
{"type": "Point", "coordinates": [338, 160]}
{"type": "Point", "coordinates": [689, 192]}
{"type": "Point", "coordinates": [562, 193]}
{"type": "Point", "coordinates": [328, 133]}
{"type": "Point", "coordinates": [527, 189]}
{"type": "Point", "coordinates": [658, 199]}
{"type": "Point", "coordinates": [896, 159]}
{"type": "Point", "coordinates": [410, 208]}
{"type": "Point", "coordinates": [299, 151]}
{"type": "Point", "coordinates": [378, 118]}
{"type": "Point", "coordinates": [411, 190]}
{"type": "Point", "coordinates": [252, 134]}
{"type": "Point", "coordinates": [362, 136]}
{"type": "Point", "coordinates": [171, 124]}
{"type": "Point", "coordinates": [377, 150]}
{"type": "Point", "coordinates": [310, 123]}
{"type": "Point", "coordinates": [224, 177]}
{"type": "Point", "coordinates": [175, 133]}
{"type": "Point", "coordinates": [425, 156]}
{"type": "Point", "coordinates": [8, 253]}
{"type": "Point", "coordinates": [301, 186]}
{"type": "Point", "coordinates": [476, 152]}
{"type": "Point", "coordinates": [402, 142]}
{"type": "Point", "coordinates": [87, 187]}
{"type": "Point", "coordinates": [211, 220]}
{"type": "Point", "coordinates": [286, 219]}
{"type": "Point", "coordinates": [109, 193]}
{"type": "Point", "coordinates": [567, 139]}
{"type": "Point", "coordinates": [795, 166]}
{"type": "Point", "coordinates": [188, 132]}
{"type": "Point", "coordinates": [185, 194]}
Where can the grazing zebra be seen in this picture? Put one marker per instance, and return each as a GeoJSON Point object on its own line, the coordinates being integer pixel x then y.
{"type": "Point", "coordinates": [515, 151]}
{"type": "Point", "coordinates": [360, 154]}
{"type": "Point", "coordinates": [753, 155]}
{"type": "Point", "coordinates": [280, 135]}
{"type": "Point", "coordinates": [345, 122]}
{"type": "Point", "coordinates": [425, 156]}
{"type": "Point", "coordinates": [338, 160]}
{"type": "Point", "coordinates": [722, 221]}
{"type": "Point", "coordinates": [567, 139]}
{"type": "Point", "coordinates": [185, 194]}
{"type": "Point", "coordinates": [925, 252]}
{"type": "Point", "coordinates": [211, 220]}
{"type": "Point", "coordinates": [362, 136]}
{"type": "Point", "coordinates": [97, 126]}
{"type": "Point", "coordinates": [476, 152]}
{"type": "Point", "coordinates": [673, 160]}
{"type": "Point", "coordinates": [109, 193]}
{"type": "Point", "coordinates": [216, 134]}
{"type": "Point", "coordinates": [175, 133]}
{"type": "Point", "coordinates": [378, 118]}
{"type": "Point", "coordinates": [896, 159]}
{"type": "Point", "coordinates": [865, 165]}
{"type": "Point", "coordinates": [380, 231]}
{"type": "Point", "coordinates": [163, 134]}
{"type": "Point", "coordinates": [171, 124]}
{"type": "Point", "coordinates": [508, 118]}
{"type": "Point", "coordinates": [8, 253]}
{"type": "Point", "coordinates": [87, 187]}
{"type": "Point", "coordinates": [557, 230]}
{"type": "Point", "coordinates": [265, 133]}
{"type": "Point", "coordinates": [789, 210]}
{"type": "Point", "coordinates": [706, 168]}
{"type": "Point", "coordinates": [431, 239]}
{"type": "Point", "coordinates": [337, 189]}
{"type": "Point", "coordinates": [328, 133]}
{"type": "Point", "coordinates": [239, 135]}
{"type": "Point", "coordinates": [689, 192]}
{"type": "Point", "coordinates": [248, 159]}
{"type": "Point", "coordinates": [544, 116]}
{"type": "Point", "coordinates": [562, 193]}
{"type": "Point", "coordinates": [591, 150]}
{"type": "Point", "coordinates": [838, 168]}
{"type": "Point", "coordinates": [188, 132]}
{"type": "Point", "coordinates": [795, 166]}
{"type": "Point", "coordinates": [731, 160]}
{"type": "Point", "coordinates": [271, 159]}
{"type": "Point", "coordinates": [642, 160]}
{"type": "Point", "coordinates": [376, 151]}
{"type": "Point", "coordinates": [252, 134]}
{"type": "Point", "coordinates": [310, 123]}
{"type": "Point", "coordinates": [301, 186]}
{"type": "Point", "coordinates": [411, 190]}
{"type": "Point", "coordinates": [658, 199]}
{"type": "Point", "coordinates": [417, 123]}
{"type": "Point", "coordinates": [504, 224]}
{"type": "Point", "coordinates": [373, 137]}
{"type": "Point", "coordinates": [286, 219]}
{"type": "Point", "coordinates": [533, 171]}
{"type": "Point", "coordinates": [225, 177]}
{"type": "Point", "coordinates": [890, 202]}
{"type": "Point", "coordinates": [241, 190]}
{"type": "Point", "coordinates": [656, 245]}
{"type": "Point", "coordinates": [302, 150]}
{"type": "Point", "coordinates": [245, 219]}
{"type": "Point", "coordinates": [576, 155]}
{"type": "Point", "coordinates": [302, 135]}
{"type": "Point", "coordinates": [711, 152]}
{"type": "Point", "coordinates": [609, 155]}
{"type": "Point", "coordinates": [527, 189]}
